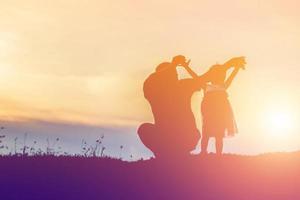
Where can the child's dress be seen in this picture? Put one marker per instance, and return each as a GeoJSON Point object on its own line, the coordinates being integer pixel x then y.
{"type": "Point", "coordinates": [217, 115]}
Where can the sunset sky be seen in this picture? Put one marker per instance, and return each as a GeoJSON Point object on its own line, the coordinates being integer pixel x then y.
{"type": "Point", "coordinates": [82, 64]}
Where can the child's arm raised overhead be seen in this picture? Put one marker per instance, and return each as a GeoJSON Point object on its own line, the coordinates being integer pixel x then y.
{"type": "Point", "coordinates": [231, 77]}
{"type": "Point", "coordinates": [238, 63]}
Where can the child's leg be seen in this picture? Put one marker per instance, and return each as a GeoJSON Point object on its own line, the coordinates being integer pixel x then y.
{"type": "Point", "coordinates": [204, 144]}
{"type": "Point", "coordinates": [219, 145]}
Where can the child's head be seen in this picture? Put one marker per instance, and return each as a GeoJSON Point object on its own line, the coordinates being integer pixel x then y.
{"type": "Point", "coordinates": [217, 74]}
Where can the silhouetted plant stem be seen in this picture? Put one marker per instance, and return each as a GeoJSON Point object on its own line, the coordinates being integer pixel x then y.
{"type": "Point", "coordinates": [24, 147]}
{"type": "Point", "coordinates": [121, 148]}
{"type": "Point", "coordinates": [102, 151]}
{"type": "Point", "coordinates": [15, 145]}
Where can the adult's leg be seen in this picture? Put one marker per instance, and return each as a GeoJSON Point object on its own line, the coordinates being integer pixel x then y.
{"type": "Point", "coordinates": [153, 139]}
{"type": "Point", "coordinates": [147, 134]}
{"type": "Point", "coordinates": [219, 145]}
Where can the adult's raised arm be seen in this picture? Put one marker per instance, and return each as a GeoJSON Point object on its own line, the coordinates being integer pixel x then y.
{"type": "Point", "coordinates": [189, 70]}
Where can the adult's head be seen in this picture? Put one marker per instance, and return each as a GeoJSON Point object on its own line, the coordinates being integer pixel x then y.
{"type": "Point", "coordinates": [167, 72]}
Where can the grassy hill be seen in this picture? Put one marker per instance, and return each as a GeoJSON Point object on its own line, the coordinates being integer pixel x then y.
{"type": "Point", "coordinates": [268, 177]}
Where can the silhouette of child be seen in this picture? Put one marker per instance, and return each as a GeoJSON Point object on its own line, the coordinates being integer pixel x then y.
{"type": "Point", "coordinates": [217, 116]}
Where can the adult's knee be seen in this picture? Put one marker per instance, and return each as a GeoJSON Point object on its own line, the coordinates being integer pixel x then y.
{"type": "Point", "coordinates": [145, 130]}
{"type": "Point", "coordinates": [153, 138]}
{"type": "Point", "coordinates": [147, 134]}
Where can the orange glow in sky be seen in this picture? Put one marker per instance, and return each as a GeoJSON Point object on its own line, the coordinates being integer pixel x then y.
{"type": "Point", "coordinates": [85, 62]}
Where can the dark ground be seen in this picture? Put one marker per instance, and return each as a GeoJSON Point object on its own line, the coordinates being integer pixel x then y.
{"type": "Point", "coordinates": [268, 177]}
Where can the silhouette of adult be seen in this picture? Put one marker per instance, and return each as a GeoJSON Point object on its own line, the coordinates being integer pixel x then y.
{"type": "Point", "coordinates": [174, 132]}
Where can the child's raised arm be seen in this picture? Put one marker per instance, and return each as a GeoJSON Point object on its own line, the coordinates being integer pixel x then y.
{"type": "Point", "coordinates": [238, 63]}
{"type": "Point", "coordinates": [231, 77]}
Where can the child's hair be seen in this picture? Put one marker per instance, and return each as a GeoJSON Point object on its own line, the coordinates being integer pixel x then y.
{"type": "Point", "coordinates": [217, 74]}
